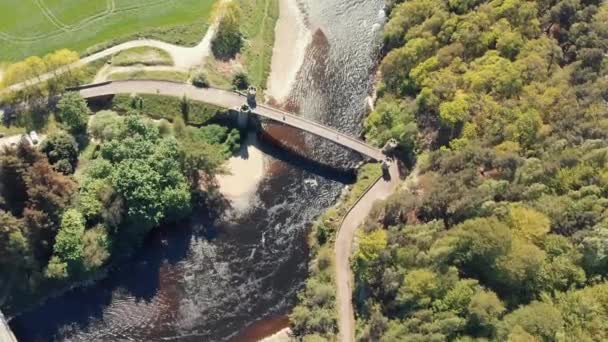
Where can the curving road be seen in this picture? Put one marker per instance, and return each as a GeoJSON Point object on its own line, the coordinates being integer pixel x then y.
{"type": "Point", "coordinates": [228, 99]}
{"type": "Point", "coordinates": [343, 249]}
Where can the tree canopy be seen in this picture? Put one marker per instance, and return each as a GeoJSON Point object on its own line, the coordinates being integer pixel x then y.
{"type": "Point", "coordinates": [503, 105]}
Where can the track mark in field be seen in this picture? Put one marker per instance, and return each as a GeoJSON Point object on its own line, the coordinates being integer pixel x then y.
{"type": "Point", "coordinates": [50, 16]}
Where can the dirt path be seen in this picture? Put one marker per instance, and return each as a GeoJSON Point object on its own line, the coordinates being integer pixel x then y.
{"type": "Point", "coordinates": [343, 249]}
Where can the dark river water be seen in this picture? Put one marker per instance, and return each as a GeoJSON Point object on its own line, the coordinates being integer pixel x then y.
{"type": "Point", "coordinates": [210, 279]}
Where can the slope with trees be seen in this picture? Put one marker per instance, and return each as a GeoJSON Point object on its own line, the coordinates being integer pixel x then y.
{"type": "Point", "coordinates": [57, 228]}
{"type": "Point", "coordinates": [502, 104]}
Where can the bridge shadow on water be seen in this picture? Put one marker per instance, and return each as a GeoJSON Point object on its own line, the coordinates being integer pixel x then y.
{"type": "Point", "coordinates": [282, 152]}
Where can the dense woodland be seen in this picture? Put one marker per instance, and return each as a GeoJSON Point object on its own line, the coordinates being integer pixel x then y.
{"type": "Point", "coordinates": [503, 106]}
{"type": "Point", "coordinates": [93, 189]}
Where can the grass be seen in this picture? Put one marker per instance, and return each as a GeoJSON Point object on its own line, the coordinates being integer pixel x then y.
{"type": "Point", "coordinates": [258, 29]}
{"type": "Point", "coordinates": [90, 70]}
{"type": "Point", "coordinates": [143, 55]}
{"type": "Point", "coordinates": [217, 75]}
{"type": "Point", "coordinates": [71, 12]}
{"type": "Point", "coordinates": [12, 130]}
{"type": "Point", "coordinates": [156, 75]}
{"type": "Point", "coordinates": [29, 29]}
{"type": "Point", "coordinates": [168, 107]}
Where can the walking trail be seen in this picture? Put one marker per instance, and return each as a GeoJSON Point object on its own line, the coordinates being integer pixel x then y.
{"type": "Point", "coordinates": [343, 249]}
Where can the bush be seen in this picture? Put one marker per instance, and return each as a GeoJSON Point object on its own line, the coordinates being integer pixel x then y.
{"type": "Point", "coordinates": [240, 81]}
{"type": "Point", "coordinates": [200, 81]}
{"type": "Point", "coordinates": [62, 151]}
{"type": "Point", "coordinates": [228, 41]}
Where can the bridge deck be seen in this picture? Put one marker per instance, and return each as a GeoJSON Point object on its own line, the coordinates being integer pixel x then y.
{"type": "Point", "coordinates": [228, 99]}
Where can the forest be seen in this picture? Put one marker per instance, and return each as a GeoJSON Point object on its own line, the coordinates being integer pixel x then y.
{"type": "Point", "coordinates": [502, 107]}
{"type": "Point", "coordinates": [91, 191]}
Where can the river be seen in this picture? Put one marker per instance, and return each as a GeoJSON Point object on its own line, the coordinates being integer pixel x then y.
{"type": "Point", "coordinates": [211, 278]}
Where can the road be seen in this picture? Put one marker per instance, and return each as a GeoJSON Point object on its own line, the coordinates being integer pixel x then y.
{"type": "Point", "coordinates": [229, 99]}
{"type": "Point", "coordinates": [343, 249]}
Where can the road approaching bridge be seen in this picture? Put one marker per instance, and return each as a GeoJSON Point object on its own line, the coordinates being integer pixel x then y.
{"type": "Point", "coordinates": [228, 99]}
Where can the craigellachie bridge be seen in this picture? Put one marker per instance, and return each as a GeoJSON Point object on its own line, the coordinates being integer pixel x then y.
{"type": "Point", "coordinates": [229, 99]}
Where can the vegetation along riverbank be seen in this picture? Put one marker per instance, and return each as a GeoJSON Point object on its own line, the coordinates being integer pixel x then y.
{"type": "Point", "coordinates": [504, 238]}
{"type": "Point", "coordinates": [88, 195]}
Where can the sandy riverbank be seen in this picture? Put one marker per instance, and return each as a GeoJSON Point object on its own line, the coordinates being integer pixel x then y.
{"type": "Point", "coordinates": [248, 168]}
{"type": "Point", "coordinates": [246, 171]}
{"type": "Point", "coordinates": [291, 39]}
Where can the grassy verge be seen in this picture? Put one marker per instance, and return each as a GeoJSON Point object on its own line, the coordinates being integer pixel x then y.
{"type": "Point", "coordinates": [143, 55]}
{"type": "Point", "coordinates": [167, 107]}
{"type": "Point", "coordinates": [218, 75]}
{"type": "Point", "coordinates": [12, 130]}
{"type": "Point", "coordinates": [156, 75]}
{"type": "Point", "coordinates": [316, 309]}
{"type": "Point", "coordinates": [187, 35]}
{"type": "Point", "coordinates": [89, 71]}
{"type": "Point", "coordinates": [258, 29]}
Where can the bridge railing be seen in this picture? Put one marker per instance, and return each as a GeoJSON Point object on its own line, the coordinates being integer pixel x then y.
{"type": "Point", "coordinates": [314, 123]}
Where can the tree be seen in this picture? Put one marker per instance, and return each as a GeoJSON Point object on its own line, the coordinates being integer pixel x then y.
{"type": "Point", "coordinates": [105, 125]}
{"type": "Point", "coordinates": [240, 81]}
{"type": "Point", "coordinates": [96, 244]}
{"type": "Point", "coordinates": [73, 112]}
{"type": "Point", "coordinates": [14, 247]}
{"type": "Point", "coordinates": [61, 147]}
{"type": "Point", "coordinates": [227, 41]}
{"type": "Point", "coordinates": [539, 319]}
{"type": "Point", "coordinates": [528, 223]}
{"type": "Point", "coordinates": [185, 108]}
{"type": "Point", "coordinates": [455, 111]}
{"type": "Point", "coordinates": [69, 246]}
{"type": "Point", "coordinates": [485, 310]}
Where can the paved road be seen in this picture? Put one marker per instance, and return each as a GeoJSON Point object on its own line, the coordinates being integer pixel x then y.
{"type": "Point", "coordinates": [228, 99]}
{"type": "Point", "coordinates": [343, 250]}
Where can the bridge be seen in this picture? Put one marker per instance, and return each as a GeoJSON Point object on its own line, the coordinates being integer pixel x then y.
{"type": "Point", "coordinates": [229, 99]}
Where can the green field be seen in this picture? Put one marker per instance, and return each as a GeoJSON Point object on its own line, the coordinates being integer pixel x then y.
{"type": "Point", "coordinates": [35, 27]}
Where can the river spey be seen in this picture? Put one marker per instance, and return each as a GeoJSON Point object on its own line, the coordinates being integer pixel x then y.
{"type": "Point", "coordinates": [208, 281]}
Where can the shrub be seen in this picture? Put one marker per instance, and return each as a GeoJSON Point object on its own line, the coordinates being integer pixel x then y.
{"type": "Point", "coordinates": [200, 81]}
{"type": "Point", "coordinates": [240, 81]}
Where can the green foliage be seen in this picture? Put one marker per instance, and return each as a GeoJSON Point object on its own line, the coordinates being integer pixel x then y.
{"type": "Point", "coordinates": [503, 237]}
{"type": "Point", "coordinates": [105, 125]}
{"type": "Point", "coordinates": [240, 81]}
{"type": "Point", "coordinates": [73, 112]}
{"type": "Point", "coordinates": [96, 247]}
{"type": "Point", "coordinates": [200, 80]}
{"type": "Point", "coordinates": [393, 119]}
{"type": "Point", "coordinates": [168, 107]}
{"type": "Point", "coordinates": [227, 41]}
{"type": "Point", "coordinates": [61, 148]}
{"type": "Point", "coordinates": [146, 175]}
{"type": "Point", "coordinates": [69, 246]}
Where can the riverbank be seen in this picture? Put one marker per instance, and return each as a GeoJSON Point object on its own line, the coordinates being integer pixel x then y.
{"type": "Point", "coordinates": [247, 168]}
{"type": "Point", "coordinates": [291, 39]}
{"type": "Point", "coordinates": [245, 171]}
